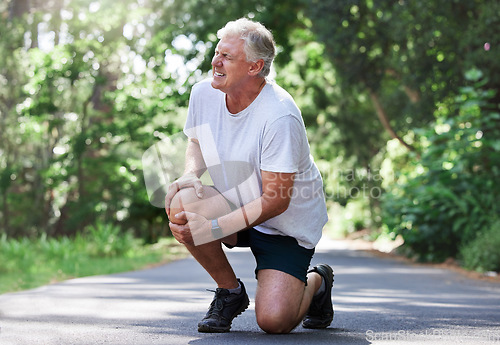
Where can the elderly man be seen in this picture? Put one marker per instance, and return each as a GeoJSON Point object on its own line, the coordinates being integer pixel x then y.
{"type": "Point", "coordinates": [267, 194]}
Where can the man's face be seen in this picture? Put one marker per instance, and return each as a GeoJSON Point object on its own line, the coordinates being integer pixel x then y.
{"type": "Point", "coordinates": [229, 65]}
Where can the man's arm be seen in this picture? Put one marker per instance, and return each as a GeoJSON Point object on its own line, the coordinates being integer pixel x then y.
{"type": "Point", "coordinates": [194, 159]}
{"type": "Point", "coordinates": [277, 190]}
{"type": "Point", "coordinates": [194, 167]}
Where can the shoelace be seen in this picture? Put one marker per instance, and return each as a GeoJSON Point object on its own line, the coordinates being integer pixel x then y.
{"type": "Point", "coordinates": [217, 304]}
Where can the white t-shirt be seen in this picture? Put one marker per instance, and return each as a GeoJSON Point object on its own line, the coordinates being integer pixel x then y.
{"type": "Point", "coordinates": [268, 135]}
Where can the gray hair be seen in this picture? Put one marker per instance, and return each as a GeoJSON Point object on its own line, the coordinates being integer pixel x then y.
{"type": "Point", "coordinates": [259, 41]}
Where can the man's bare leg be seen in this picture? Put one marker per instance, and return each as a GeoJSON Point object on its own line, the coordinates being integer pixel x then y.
{"type": "Point", "coordinates": [214, 261]}
{"type": "Point", "coordinates": [211, 255]}
{"type": "Point", "coordinates": [227, 303]}
{"type": "Point", "coordinates": [282, 300]}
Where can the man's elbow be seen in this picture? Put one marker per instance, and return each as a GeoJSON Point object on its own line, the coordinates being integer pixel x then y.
{"type": "Point", "coordinates": [282, 206]}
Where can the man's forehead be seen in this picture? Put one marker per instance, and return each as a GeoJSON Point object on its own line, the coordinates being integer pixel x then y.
{"type": "Point", "coordinates": [231, 43]}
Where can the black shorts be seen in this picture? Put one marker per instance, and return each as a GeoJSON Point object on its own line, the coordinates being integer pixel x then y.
{"type": "Point", "coordinates": [281, 253]}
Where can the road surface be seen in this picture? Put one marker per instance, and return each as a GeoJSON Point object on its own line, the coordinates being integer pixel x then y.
{"type": "Point", "coordinates": [377, 301]}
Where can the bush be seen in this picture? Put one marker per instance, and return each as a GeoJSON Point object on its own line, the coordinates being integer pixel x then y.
{"type": "Point", "coordinates": [482, 254]}
{"type": "Point", "coordinates": [451, 194]}
{"type": "Point", "coordinates": [435, 219]}
{"type": "Point", "coordinates": [109, 240]}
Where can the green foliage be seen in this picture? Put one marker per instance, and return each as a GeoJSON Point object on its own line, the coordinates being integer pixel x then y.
{"type": "Point", "coordinates": [482, 253]}
{"type": "Point", "coordinates": [107, 240]}
{"type": "Point", "coordinates": [78, 113]}
{"type": "Point", "coordinates": [85, 88]}
{"type": "Point", "coordinates": [451, 194]}
{"type": "Point", "coordinates": [399, 60]}
{"type": "Point", "coordinates": [28, 263]}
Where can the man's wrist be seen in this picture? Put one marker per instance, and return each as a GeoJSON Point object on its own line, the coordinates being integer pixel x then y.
{"type": "Point", "coordinates": [216, 229]}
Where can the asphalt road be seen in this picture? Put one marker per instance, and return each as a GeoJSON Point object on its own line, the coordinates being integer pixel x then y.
{"type": "Point", "coordinates": [377, 301]}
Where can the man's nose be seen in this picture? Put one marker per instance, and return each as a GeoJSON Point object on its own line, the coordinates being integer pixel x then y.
{"type": "Point", "coordinates": [216, 61]}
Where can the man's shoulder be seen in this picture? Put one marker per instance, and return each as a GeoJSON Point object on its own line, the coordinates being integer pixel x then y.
{"type": "Point", "coordinates": [278, 90]}
{"type": "Point", "coordinates": [282, 100]}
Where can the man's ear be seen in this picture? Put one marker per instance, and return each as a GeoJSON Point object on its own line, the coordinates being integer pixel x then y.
{"type": "Point", "coordinates": [256, 67]}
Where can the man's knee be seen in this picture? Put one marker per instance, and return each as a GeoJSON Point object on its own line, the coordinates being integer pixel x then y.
{"type": "Point", "coordinates": [278, 299]}
{"type": "Point", "coordinates": [184, 200]}
{"type": "Point", "coordinates": [276, 322]}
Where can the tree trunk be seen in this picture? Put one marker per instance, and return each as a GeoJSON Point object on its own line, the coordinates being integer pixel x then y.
{"type": "Point", "coordinates": [413, 95]}
{"type": "Point", "coordinates": [34, 32]}
{"type": "Point", "coordinates": [18, 8]}
{"type": "Point", "coordinates": [5, 212]}
{"type": "Point", "coordinates": [385, 122]}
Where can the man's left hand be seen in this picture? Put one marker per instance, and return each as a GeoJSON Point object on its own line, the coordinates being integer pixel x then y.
{"type": "Point", "coordinates": [196, 231]}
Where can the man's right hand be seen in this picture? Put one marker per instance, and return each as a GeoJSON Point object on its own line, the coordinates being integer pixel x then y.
{"type": "Point", "coordinates": [186, 180]}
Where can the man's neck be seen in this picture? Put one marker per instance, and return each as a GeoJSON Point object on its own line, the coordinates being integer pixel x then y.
{"type": "Point", "coordinates": [238, 102]}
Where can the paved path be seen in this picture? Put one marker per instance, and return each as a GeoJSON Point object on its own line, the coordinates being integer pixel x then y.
{"type": "Point", "coordinates": [377, 301]}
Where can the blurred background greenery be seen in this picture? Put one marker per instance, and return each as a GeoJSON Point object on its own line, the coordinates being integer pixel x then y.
{"type": "Point", "coordinates": [400, 100]}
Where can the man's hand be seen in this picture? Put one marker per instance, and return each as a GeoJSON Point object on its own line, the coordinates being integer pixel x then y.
{"type": "Point", "coordinates": [195, 231]}
{"type": "Point", "coordinates": [187, 180]}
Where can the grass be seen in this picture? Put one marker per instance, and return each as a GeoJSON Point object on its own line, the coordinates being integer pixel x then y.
{"type": "Point", "coordinates": [30, 263]}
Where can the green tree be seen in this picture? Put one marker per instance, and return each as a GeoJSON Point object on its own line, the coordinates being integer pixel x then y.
{"type": "Point", "coordinates": [91, 86]}
{"type": "Point", "coordinates": [405, 56]}
{"type": "Point", "coordinates": [395, 62]}
{"type": "Point", "coordinates": [64, 156]}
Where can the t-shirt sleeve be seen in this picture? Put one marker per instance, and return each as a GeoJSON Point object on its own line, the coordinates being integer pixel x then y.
{"type": "Point", "coordinates": [282, 145]}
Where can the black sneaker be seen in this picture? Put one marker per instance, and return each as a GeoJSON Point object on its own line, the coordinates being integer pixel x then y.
{"type": "Point", "coordinates": [320, 313]}
{"type": "Point", "coordinates": [224, 308]}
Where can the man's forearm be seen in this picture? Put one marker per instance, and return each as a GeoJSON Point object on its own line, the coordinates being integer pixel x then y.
{"type": "Point", "coordinates": [194, 163]}
{"type": "Point", "coordinates": [249, 215]}
{"type": "Point", "coordinates": [277, 189]}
